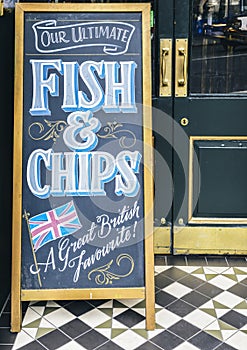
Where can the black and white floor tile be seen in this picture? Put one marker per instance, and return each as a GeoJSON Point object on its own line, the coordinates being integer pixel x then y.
{"type": "Point", "coordinates": [197, 307]}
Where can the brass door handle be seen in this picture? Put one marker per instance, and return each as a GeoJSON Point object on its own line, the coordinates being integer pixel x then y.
{"type": "Point", "coordinates": [165, 53]}
{"type": "Point", "coordinates": [181, 81]}
{"type": "Point", "coordinates": [165, 67]}
{"type": "Point", "coordinates": [181, 67]}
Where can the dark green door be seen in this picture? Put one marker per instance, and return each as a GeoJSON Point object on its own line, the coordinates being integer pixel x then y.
{"type": "Point", "coordinates": [204, 147]}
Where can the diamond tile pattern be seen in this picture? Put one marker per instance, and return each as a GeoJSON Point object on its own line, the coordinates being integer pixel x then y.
{"type": "Point", "coordinates": [198, 307]}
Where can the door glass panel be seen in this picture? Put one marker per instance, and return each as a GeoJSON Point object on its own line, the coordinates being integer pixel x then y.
{"type": "Point", "coordinates": [219, 47]}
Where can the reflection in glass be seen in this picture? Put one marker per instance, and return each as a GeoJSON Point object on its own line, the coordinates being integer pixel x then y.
{"type": "Point", "coordinates": [219, 47]}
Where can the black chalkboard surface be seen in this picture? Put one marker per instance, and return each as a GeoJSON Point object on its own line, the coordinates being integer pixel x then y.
{"type": "Point", "coordinates": [82, 203]}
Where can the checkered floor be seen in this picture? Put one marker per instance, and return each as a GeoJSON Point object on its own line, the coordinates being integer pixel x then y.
{"type": "Point", "coordinates": [197, 307]}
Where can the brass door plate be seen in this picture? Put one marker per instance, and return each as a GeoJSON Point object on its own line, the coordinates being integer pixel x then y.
{"type": "Point", "coordinates": [181, 68]}
{"type": "Point", "coordinates": [165, 67]}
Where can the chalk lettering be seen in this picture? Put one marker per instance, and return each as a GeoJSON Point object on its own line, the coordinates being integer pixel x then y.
{"type": "Point", "coordinates": [119, 81]}
{"type": "Point", "coordinates": [73, 256]}
{"type": "Point", "coordinates": [76, 175]}
{"type": "Point", "coordinates": [107, 223]}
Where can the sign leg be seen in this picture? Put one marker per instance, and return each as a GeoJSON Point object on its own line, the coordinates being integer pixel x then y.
{"type": "Point", "coordinates": [16, 314]}
{"type": "Point", "coordinates": [150, 295]}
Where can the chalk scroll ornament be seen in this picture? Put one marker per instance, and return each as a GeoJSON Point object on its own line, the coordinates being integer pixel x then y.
{"type": "Point", "coordinates": [112, 36]}
{"type": "Point", "coordinates": [104, 276]}
{"type": "Point", "coordinates": [126, 137]}
{"type": "Point", "coordinates": [54, 129]}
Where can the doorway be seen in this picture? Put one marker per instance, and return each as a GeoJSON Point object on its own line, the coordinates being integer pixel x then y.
{"type": "Point", "coordinates": [202, 94]}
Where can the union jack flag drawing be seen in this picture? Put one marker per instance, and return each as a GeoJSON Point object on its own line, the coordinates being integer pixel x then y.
{"type": "Point", "coordinates": [53, 224]}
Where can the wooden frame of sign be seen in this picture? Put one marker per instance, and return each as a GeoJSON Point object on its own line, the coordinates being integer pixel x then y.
{"type": "Point", "coordinates": [82, 182]}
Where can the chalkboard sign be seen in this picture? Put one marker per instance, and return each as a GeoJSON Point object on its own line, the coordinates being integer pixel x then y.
{"type": "Point", "coordinates": [82, 202]}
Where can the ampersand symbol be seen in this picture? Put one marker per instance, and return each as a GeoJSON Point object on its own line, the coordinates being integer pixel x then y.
{"type": "Point", "coordinates": [84, 125]}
